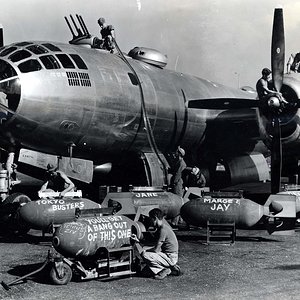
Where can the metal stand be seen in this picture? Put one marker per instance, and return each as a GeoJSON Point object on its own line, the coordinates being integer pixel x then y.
{"type": "Point", "coordinates": [113, 266]}
{"type": "Point", "coordinates": [221, 231]}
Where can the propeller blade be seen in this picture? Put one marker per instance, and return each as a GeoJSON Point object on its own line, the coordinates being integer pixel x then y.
{"type": "Point", "coordinates": [276, 157]}
{"type": "Point", "coordinates": [223, 103]}
{"type": "Point", "coordinates": [278, 49]}
{"type": "Point", "coordinates": [1, 36]}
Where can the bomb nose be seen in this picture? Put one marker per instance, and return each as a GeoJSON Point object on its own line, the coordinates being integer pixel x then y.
{"type": "Point", "coordinates": [275, 208]}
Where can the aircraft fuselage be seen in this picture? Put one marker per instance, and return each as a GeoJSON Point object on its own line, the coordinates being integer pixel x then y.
{"type": "Point", "coordinates": [98, 107]}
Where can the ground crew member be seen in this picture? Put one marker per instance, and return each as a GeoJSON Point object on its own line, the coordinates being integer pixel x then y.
{"type": "Point", "coordinates": [289, 63]}
{"type": "Point", "coordinates": [196, 178]}
{"type": "Point", "coordinates": [176, 180]}
{"type": "Point", "coordinates": [264, 90]}
{"type": "Point", "coordinates": [107, 33]}
{"type": "Point", "coordinates": [162, 258]}
{"type": "Point", "coordinates": [57, 181]}
{"type": "Point", "coordinates": [180, 165]}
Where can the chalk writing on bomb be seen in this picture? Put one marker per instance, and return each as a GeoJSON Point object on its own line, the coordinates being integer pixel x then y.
{"type": "Point", "coordinates": [75, 228]}
{"type": "Point", "coordinates": [60, 204]}
{"type": "Point", "coordinates": [145, 195]}
{"type": "Point", "coordinates": [108, 229]}
{"type": "Point", "coordinates": [221, 204]}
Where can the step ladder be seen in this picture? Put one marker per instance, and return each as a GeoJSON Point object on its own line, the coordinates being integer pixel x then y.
{"type": "Point", "coordinates": [220, 232]}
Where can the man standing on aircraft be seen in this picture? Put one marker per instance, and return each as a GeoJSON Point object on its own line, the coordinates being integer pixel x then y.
{"type": "Point", "coordinates": [107, 33]}
{"type": "Point", "coordinates": [162, 258]}
{"type": "Point", "coordinates": [264, 90]}
{"type": "Point", "coordinates": [57, 180]}
{"type": "Point", "coordinates": [296, 63]}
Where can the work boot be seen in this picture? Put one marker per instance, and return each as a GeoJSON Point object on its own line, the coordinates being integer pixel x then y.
{"type": "Point", "coordinates": [175, 270]}
{"type": "Point", "coordinates": [162, 274]}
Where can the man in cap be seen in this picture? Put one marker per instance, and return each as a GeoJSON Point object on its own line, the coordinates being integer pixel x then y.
{"type": "Point", "coordinates": [57, 181]}
{"type": "Point", "coordinates": [180, 165]}
{"type": "Point", "coordinates": [264, 90]}
{"type": "Point", "coordinates": [107, 33]}
{"type": "Point", "coordinates": [196, 178]}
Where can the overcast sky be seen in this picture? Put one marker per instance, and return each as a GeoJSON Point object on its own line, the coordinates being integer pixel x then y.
{"type": "Point", "coordinates": [223, 41]}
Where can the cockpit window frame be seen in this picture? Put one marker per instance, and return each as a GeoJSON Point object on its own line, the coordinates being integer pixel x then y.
{"type": "Point", "coordinates": [50, 62]}
{"type": "Point", "coordinates": [65, 60]}
{"type": "Point", "coordinates": [30, 69]}
{"type": "Point", "coordinates": [51, 47]}
{"type": "Point", "coordinates": [21, 54]}
{"type": "Point", "coordinates": [8, 51]}
{"type": "Point", "coordinates": [79, 62]}
{"type": "Point", "coordinates": [6, 70]}
{"type": "Point", "coordinates": [23, 44]}
{"type": "Point", "coordinates": [37, 49]}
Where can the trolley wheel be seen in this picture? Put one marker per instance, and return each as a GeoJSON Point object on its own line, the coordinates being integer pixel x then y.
{"type": "Point", "coordinates": [64, 277]}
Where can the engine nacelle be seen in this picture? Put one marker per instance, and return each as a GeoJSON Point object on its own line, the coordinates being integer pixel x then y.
{"type": "Point", "coordinates": [288, 114]}
{"type": "Point", "coordinates": [251, 167]}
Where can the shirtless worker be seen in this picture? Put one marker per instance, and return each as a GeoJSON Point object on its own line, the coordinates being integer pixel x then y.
{"type": "Point", "coordinates": [57, 181]}
{"type": "Point", "coordinates": [264, 90]}
{"type": "Point", "coordinates": [162, 258]}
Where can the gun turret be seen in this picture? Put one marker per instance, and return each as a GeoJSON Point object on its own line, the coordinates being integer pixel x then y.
{"type": "Point", "coordinates": [80, 33]}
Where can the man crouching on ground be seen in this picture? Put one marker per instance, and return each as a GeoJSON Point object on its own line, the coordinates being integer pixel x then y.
{"type": "Point", "coordinates": [163, 257]}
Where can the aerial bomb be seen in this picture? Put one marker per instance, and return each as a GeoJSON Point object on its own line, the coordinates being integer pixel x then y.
{"type": "Point", "coordinates": [85, 236]}
{"type": "Point", "coordinates": [43, 213]}
{"type": "Point", "coordinates": [226, 208]}
{"type": "Point", "coordinates": [145, 198]}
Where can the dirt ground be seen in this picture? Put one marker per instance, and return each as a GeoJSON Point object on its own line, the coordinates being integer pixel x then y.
{"type": "Point", "coordinates": [257, 266]}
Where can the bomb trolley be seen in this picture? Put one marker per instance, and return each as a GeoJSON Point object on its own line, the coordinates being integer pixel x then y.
{"type": "Point", "coordinates": [112, 263]}
{"type": "Point", "coordinates": [94, 246]}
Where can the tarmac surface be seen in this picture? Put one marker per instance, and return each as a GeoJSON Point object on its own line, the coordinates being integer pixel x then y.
{"type": "Point", "coordinates": [256, 266]}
